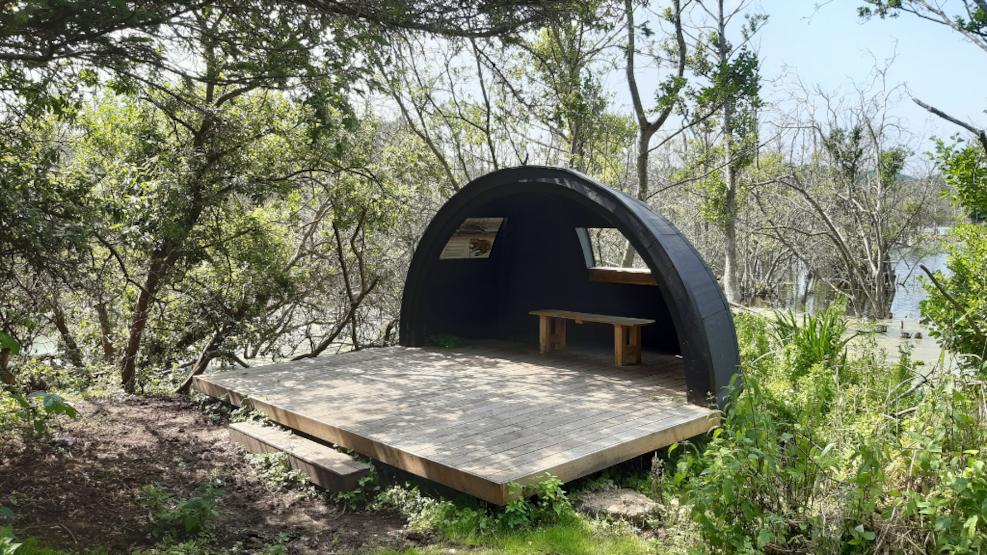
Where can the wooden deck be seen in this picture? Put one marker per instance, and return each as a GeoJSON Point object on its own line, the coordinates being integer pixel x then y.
{"type": "Point", "coordinates": [481, 417]}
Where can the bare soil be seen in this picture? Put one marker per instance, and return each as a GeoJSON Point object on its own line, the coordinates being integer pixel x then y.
{"type": "Point", "coordinates": [80, 489]}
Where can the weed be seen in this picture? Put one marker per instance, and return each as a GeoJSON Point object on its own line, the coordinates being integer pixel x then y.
{"type": "Point", "coordinates": [175, 516]}
{"type": "Point", "coordinates": [38, 408]}
{"type": "Point", "coordinates": [446, 341]}
{"type": "Point", "coordinates": [538, 503]}
{"type": "Point", "coordinates": [275, 469]}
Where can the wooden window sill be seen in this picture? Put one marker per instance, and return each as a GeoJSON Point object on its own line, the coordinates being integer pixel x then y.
{"type": "Point", "coordinates": [633, 276]}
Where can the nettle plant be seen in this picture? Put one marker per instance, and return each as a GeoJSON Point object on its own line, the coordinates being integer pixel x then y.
{"type": "Point", "coordinates": [538, 503]}
{"type": "Point", "coordinates": [172, 516]}
{"type": "Point", "coordinates": [39, 407]}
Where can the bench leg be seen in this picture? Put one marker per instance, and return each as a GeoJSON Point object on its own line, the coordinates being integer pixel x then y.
{"type": "Point", "coordinates": [635, 345]}
{"type": "Point", "coordinates": [626, 345]}
{"type": "Point", "coordinates": [545, 334]}
{"type": "Point", "coordinates": [619, 344]}
{"type": "Point", "coordinates": [547, 339]}
{"type": "Point", "coordinates": [558, 338]}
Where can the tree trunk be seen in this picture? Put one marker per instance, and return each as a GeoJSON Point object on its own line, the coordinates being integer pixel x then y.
{"type": "Point", "coordinates": [71, 347]}
{"type": "Point", "coordinates": [647, 128]}
{"type": "Point", "coordinates": [5, 376]}
{"type": "Point", "coordinates": [105, 329]}
{"type": "Point", "coordinates": [213, 347]}
{"type": "Point", "coordinates": [643, 144]}
{"type": "Point", "coordinates": [128, 363]}
{"type": "Point", "coordinates": [731, 281]}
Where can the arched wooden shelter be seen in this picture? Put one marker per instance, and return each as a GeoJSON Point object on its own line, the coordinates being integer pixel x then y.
{"type": "Point", "coordinates": [505, 263]}
{"type": "Point", "coordinates": [541, 258]}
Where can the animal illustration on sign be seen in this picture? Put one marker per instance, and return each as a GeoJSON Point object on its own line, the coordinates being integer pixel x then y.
{"type": "Point", "coordinates": [480, 247]}
{"type": "Point", "coordinates": [474, 238]}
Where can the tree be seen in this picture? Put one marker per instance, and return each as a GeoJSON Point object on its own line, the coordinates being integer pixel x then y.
{"type": "Point", "coordinates": [956, 303]}
{"type": "Point", "coordinates": [667, 97]}
{"type": "Point", "coordinates": [734, 91]}
{"type": "Point", "coordinates": [850, 208]}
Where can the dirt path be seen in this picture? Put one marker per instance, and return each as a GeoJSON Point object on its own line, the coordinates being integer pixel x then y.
{"type": "Point", "coordinates": [80, 489]}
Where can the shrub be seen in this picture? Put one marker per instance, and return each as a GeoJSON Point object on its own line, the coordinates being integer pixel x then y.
{"type": "Point", "coordinates": [38, 408]}
{"type": "Point", "coordinates": [446, 341]}
{"type": "Point", "coordinates": [539, 503]}
{"type": "Point", "coordinates": [961, 318]}
{"type": "Point", "coordinates": [181, 517]}
{"type": "Point", "coordinates": [858, 457]}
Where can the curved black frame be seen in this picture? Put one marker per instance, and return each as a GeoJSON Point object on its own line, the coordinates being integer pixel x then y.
{"type": "Point", "coordinates": [699, 309]}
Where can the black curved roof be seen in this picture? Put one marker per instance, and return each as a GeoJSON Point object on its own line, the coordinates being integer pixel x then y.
{"type": "Point", "coordinates": [537, 262]}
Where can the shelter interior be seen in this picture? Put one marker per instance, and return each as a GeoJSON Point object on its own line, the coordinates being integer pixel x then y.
{"type": "Point", "coordinates": [541, 259]}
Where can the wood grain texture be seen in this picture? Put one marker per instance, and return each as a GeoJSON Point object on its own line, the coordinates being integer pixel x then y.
{"type": "Point", "coordinates": [481, 417]}
{"type": "Point", "coordinates": [580, 317]}
{"type": "Point", "coordinates": [324, 466]}
{"type": "Point", "coordinates": [633, 276]}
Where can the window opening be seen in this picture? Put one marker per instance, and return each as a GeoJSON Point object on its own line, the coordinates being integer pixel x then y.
{"type": "Point", "coordinates": [608, 247]}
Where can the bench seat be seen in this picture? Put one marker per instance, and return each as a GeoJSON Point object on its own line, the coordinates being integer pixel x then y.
{"type": "Point", "coordinates": [627, 332]}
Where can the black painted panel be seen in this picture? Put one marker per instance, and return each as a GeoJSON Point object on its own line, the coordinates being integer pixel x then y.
{"type": "Point", "coordinates": [537, 262]}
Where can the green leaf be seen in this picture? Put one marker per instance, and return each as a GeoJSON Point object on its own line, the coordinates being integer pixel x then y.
{"type": "Point", "coordinates": [8, 342]}
{"type": "Point", "coordinates": [6, 512]}
{"type": "Point", "coordinates": [764, 537]}
{"type": "Point", "coordinates": [970, 526]}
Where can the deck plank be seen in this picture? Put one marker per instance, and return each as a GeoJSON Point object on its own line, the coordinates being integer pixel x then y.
{"type": "Point", "coordinates": [481, 417]}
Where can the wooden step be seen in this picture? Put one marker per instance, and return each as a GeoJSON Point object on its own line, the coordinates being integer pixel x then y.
{"type": "Point", "coordinates": [324, 466]}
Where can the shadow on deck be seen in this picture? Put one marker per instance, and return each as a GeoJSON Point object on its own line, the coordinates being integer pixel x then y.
{"type": "Point", "coordinates": [480, 417]}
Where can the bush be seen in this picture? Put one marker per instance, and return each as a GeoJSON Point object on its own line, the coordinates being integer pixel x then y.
{"type": "Point", "coordinates": [538, 503]}
{"type": "Point", "coordinates": [38, 408]}
{"type": "Point", "coordinates": [446, 341]}
{"type": "Point", "coordinates": [852, 456]}
{"type": "Point", "coordinates": [960, 320]}
{"type": "Point", "coordinates": [175, 516]}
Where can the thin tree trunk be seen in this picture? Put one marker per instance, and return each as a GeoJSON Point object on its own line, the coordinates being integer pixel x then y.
{"type": "Point", "coordinates": [213, 347]}
{"type": "Point", "coordinates": [128, 363]}
{"type": "Point", "coordinates": [731, 281]}
{"type": "Point", "coordinates": [647, 128]}
{"type": "Point", "coordinates": [5, 376]}
{"type": "Point", "coordinates": [105, 329]}
{"type": "Point", "coordinates": [71, 347]}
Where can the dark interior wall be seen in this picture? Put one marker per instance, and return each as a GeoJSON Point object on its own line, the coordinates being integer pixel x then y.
{"type": "Point", "coordinates": [536, 263]}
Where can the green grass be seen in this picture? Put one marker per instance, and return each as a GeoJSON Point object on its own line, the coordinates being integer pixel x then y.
{"type": "Point", "coordinates": [575, 537]}
{"type": "Point", "coordinates": [30, 546]}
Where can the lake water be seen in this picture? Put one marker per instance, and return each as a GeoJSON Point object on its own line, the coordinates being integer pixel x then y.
{"type": "Point", "coordinates": [905, 310]}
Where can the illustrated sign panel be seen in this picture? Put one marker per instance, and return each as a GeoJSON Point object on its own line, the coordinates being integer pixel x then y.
{"type": "Point", "coordinates": [474, 238]}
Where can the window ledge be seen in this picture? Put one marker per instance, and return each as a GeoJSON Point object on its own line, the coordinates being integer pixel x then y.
{"type": "Point", "coordinates": [633, 276]}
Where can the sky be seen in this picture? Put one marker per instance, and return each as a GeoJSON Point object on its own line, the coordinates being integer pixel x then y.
{"type": "Point", "coordinates": [830, 46]}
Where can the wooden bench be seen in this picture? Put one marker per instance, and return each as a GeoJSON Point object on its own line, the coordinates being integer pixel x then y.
{"type": "Point", "coordinates": [626, 332]}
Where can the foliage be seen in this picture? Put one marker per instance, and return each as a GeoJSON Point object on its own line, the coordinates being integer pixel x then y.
{"type": "Point", "coordinates": [447, 341]}
{"type": "Point", "coordinates": [818, 339]}
{"type": "Point", "coordinates": [180, 517]}
{"type": "Point", "coordinates": [38, 408]}
{"type": "Point", "coordinates": [965, 169]}
{"type": "Point", "coordinates": [961, 317]}
{"type": "Point", "coordinates": [368, 488]}
{"type": "Point", "coordinates": [30, 546]}
{"type": "Point", "coordinates": [7, 545]}
{"type": "Point", "coordinates": [852, 473]}
{"type": "Point", "coordinates": [276, 471]}
{"type": "Point", "coordinates": [539, 503]}
{"type": "Point", "coordinates": [958, 306]}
